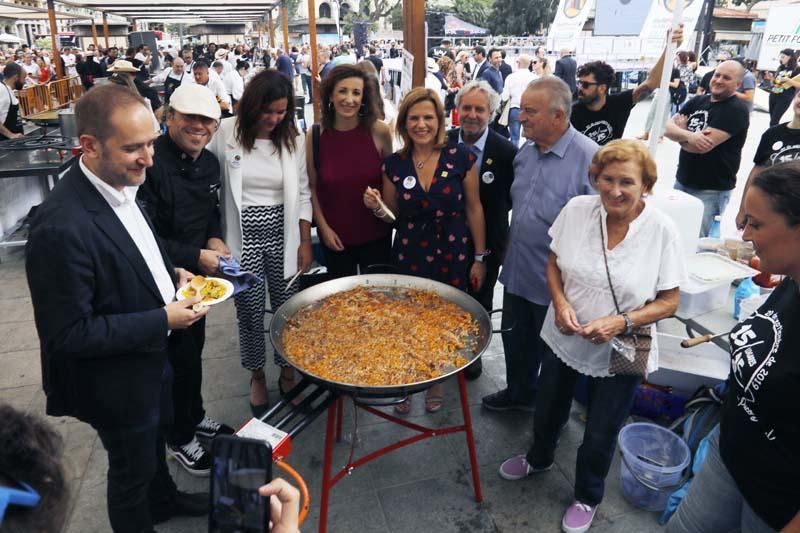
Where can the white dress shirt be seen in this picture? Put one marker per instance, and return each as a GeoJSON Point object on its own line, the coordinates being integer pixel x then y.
{"type": "Point", "coordinates": [515, 85]}
{"type": "Point", "coordinates": [123, 203]}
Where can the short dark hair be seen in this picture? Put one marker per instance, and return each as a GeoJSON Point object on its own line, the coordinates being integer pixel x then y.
{"type": "Point", "coordinates": [781, 183]}
{"type": "Point", "coordinates": [241, 63]}
{"type": "Point", "coordinates": [94, 109]}
{"type": "Point", "coordinates": [603, 72]}
{"type": "Point", "coordinates": [493, 50]}
{"type": "Point", "coordinates": [368, 113]}
{"type": "Point", "coordinates": [200, 64]}
{"type": "Point", "coordinates": [12, 69]}
{"type": "Point", "coordinates": [31, 452]}
{"type": "Point", "coordinates": [267, 87]}
{"type": "Point", "coordinates": [479, 50]}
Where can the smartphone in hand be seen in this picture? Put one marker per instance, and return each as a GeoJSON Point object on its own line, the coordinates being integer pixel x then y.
{"type": "Point", "coordinates": [240, 467]}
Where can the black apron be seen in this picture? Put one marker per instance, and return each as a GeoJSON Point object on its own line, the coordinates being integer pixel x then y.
{"type": "Point", "coordinates": [170, 84]}
{"type": "Point", "coordinates": [13, 121]}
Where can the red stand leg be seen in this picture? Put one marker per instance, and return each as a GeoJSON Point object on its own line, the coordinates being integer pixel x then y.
{"type": "Point", "coordinates": [326, 467]}
{"type": "Point", "coordinates": [473, 456]}
{"type": "Point", "coordinates": [339, 416]}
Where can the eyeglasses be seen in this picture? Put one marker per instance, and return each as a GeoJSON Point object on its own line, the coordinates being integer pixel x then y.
{"type": "Point", "coordinates": [17, 496]}
{"type": "Point", "coordinates": [587, 84]}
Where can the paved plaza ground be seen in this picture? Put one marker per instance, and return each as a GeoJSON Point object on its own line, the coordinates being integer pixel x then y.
{"type": "Point", "coordinates": [424, 488]}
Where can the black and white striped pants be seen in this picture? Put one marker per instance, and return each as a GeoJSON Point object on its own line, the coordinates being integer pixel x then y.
{"type": "Point", "coordinates": [262, 254]}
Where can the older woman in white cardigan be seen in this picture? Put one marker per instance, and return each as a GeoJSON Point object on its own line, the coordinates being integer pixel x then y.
{"type": "Point", "coordinates": [266, 213]}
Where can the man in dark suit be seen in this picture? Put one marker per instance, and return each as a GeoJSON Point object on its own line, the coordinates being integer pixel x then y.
{"type": "Point", "coordinates": [492, 73]}
{"type": "Point", "coordinates": [566, 67]}
{"type": "Point", "coordinates": [505, 68]}
{"type": "Point", "coordinates": [481, 64]}
{"type": "Point", "coordinates": [103, 288]}
{"type": "Point", "coordinates": [477, 103]}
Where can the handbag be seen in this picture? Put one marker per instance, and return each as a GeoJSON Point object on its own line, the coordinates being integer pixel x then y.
{"type": "Point", "coordinates": [639, 339]}
{"type": "Point", "coordinates": [503, 120]}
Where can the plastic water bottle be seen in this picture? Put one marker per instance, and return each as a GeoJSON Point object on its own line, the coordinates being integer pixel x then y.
{"type": "Point", "coordinates": [714, 231]}
{"type": "Point", "coordinates": [745, 290]}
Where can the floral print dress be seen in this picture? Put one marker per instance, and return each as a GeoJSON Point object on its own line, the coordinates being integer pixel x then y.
{"type": "Point", "coordinates": [432, 239]}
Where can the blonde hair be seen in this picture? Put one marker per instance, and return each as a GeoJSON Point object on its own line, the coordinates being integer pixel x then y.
{"type": "Point", "coordinates": [621, 151]}
{"type": "Point", "coordinates": [414, 97]}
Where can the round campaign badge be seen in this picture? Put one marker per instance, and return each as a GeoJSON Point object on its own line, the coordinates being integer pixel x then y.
{"type": "Point", "coordinates": [409, 182]}
{"type": "Point", "coordinates": [487, 177]}
{"type": "Point", "coordinates": [236, 161]}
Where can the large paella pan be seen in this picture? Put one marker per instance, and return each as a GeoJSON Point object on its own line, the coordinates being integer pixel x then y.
{"type": "Point", "coordinates": [395, 285]}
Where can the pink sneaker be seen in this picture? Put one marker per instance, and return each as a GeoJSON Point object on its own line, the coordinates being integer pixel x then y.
{"type": "Point", "coordinates": [517, 467]}
{"type": "Point", "coordinates": [578, 518]}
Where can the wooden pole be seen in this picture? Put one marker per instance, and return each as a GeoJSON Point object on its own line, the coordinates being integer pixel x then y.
{"type": "Point", "coordinates": [312, 43]}
{"type": "Point", "coordinates": [414, 40]}
{"type": "Point", "coordinates": [271, 30]}
{"type": "Point", "coordinates": [94, 34]}
{"type": "Point", "coordinates": [51, 14]}
{"type": "Point", "coordinates": [105, 28]}
{"type": "Point", "coordinates": [285, 26]}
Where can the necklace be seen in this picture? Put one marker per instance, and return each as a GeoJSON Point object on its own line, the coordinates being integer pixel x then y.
{"type": "Point", "coordinates": [421, 164]}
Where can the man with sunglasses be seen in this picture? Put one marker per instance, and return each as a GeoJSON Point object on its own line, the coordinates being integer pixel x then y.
{"type": "Point", "coordinates": [180, 196]}
{"type": "Point", "coordinates": [602, 116]}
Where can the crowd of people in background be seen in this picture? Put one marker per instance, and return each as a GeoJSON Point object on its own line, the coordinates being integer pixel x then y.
{"type": "Point", "coordinates": [246, 179]}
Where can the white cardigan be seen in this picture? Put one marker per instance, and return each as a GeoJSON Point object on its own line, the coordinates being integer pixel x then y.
{"type": "Point", "coordinates": [296, 194]}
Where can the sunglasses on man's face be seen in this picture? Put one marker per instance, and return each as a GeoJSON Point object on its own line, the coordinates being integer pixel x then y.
{"type": "Point", "coordinates": [587, 84]}
{"type": "Point", "coordinates": [24, 496]}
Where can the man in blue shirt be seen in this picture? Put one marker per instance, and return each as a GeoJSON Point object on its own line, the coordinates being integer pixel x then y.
{"type": "Point", "coordinates": [549, 170]}
{"type": "Point", "coordinates": [492, 74]}
{"type": "Point", "coordinates": [284, 65]}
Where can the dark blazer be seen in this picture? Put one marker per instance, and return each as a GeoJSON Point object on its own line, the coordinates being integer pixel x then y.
{"type": "Point", "coordinates": [98, 311]}
{"type": "Point", "coordinates": [480, 70]}
{"type": "Point", "coordinates": [566, 69]}
{"type": "Point", "coordinates": [505, 70]}
{"type": "Point", "coordinates": [498, 159]}
{"type": "Point", "coordinates": [492, 75]}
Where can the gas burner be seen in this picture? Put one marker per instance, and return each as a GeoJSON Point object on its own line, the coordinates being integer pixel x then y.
{"type": "Point", "coordinates": [36, 143]}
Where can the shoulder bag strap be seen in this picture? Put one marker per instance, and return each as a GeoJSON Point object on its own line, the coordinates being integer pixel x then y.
{"type": "Point", "coordinates": [605, 261]}
{"type": "Point", "coordinates": [315, 135]}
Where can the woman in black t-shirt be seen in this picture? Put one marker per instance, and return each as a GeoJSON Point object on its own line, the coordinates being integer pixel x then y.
{"type": "Point", "coordinates": [749, 479]}
{"type": "Point", "coordinates": [784, 85]}
{"type": "Point", "coordinates": [779, 144]}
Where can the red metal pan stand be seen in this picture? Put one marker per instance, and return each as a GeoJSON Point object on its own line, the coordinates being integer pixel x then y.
{"type": "Point", "coordinates": [294, 418]}
{"type": "Point", "coordinates": [333, 432]}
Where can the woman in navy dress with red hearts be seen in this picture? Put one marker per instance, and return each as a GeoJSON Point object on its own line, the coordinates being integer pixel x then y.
{"type": "Point", "coordinates": [432, 188]}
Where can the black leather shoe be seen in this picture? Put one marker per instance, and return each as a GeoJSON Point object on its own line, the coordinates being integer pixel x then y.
{"type": "Point", "coordinates": [182, 504]}
{"type": "Point", "coordinates": [474, 370]}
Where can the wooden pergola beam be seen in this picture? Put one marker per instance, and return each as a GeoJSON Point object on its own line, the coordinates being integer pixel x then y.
{"type": "Point", "coordinates": [105, 28]}
{"type": "Point", "coordinates": [51, 15]}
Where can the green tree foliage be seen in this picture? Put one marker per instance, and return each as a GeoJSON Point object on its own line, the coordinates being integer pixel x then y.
{"type": "Point", "coordinates": [519, 17]}
{"type": "Point", "coordinates": [474, 11]}
{"type": "Point", "coordinates": [746, 3]}
{"type": "Point", "coordinates": [291, 8]}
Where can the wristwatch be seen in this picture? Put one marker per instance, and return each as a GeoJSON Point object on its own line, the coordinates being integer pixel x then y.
{"type": "Point", "coordinates": [481, 257]}
{"type": "Point", "coordinates": [628, 323]}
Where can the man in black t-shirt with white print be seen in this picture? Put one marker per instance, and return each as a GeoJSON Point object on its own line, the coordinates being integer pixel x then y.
{"type": "Point", "coordinates": [779, 144]}
{"type": "Point", "coordinates": [711, 130]}
{"type": "Point", "coordinates": [601, 116]}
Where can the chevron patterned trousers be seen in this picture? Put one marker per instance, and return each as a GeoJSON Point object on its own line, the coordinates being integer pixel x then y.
{"type": "Point", "coordinates": [262, 254]}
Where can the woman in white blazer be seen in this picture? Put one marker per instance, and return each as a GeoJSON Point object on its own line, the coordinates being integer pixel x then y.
{"type": "Point", "coordinates": [266, 212]}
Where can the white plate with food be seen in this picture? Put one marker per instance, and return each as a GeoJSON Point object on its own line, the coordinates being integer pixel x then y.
{"type": "Point", "coordinates": [214, 290]}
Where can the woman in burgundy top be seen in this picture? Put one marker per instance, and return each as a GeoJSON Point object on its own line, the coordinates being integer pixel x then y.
{"type": "Point", "coordinates": [352, 146]}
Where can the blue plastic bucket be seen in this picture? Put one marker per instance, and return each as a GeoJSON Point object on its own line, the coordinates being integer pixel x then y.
{"type": "Point", "coordinates": [653, 463]}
